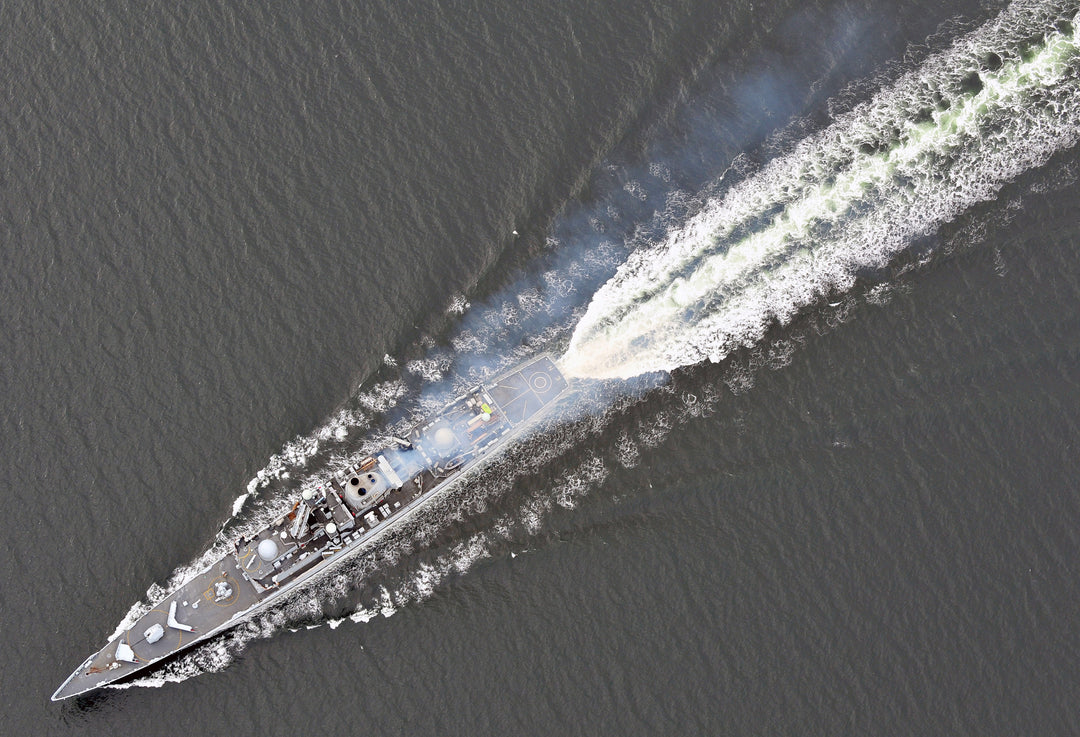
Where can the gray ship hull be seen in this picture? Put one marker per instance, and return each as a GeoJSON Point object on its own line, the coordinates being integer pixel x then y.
{"type": "Point", "coordinates": [329, 527]}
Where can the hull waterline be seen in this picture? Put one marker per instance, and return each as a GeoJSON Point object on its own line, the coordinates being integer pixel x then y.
{"type": "Point", "coordinates": [329, 526]}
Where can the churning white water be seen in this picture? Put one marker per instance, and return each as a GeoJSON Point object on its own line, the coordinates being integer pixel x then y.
{"type": "Point", "coordinates": [944, 137]}
{"type": "Point", "coordinates": [948, 135]}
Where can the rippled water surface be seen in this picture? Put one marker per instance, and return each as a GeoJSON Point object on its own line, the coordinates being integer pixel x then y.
{"type": "Point", "coordinates": [241, 244]}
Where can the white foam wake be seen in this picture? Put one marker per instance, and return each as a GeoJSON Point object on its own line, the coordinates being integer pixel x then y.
{"type": "Point", "coordinates": [848, 197]}
{"type": "Point", "coordinates": [420, 579]}
{"type": "Point", "coordinates": [942, 138]}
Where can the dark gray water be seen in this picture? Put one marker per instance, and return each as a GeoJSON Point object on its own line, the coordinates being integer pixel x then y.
{"type": "Point", "coordinates": [217, 220]}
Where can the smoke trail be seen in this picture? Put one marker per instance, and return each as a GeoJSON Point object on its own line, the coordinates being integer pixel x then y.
{"type": "Point", "coordinates": [881, 172]}
{"type": "Point", "coordinates": [406, 566]}
{"type": "Point", "coordinates": [941, 139]}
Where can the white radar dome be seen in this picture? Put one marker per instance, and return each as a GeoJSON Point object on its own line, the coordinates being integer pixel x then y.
{"type": "Point", "coordinates": [268, 549]}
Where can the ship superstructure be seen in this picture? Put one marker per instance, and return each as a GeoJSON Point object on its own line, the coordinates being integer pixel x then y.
{"type": "Point", "coordinates": [328, 525]}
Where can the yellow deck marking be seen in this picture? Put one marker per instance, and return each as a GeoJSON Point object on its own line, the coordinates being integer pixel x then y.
{"type": "Point", "coordinates": [246, 567]}
{"type": "Point", "coordinates": [208, 594]}
{"type": "Point", "coordinates": [127, 636]}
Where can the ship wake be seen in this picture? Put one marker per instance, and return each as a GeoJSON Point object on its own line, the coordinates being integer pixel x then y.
{"type": "Point", "coordinates": [845, 202]}
{"type": "Point", "coordinates": [622, 297]}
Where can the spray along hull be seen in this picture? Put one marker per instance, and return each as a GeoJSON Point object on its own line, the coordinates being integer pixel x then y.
{"type": "Point", "coordinates": [329, 526]}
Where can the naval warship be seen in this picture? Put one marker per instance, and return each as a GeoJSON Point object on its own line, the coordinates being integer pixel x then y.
{"type": "Point", "coordinates": [329, 525]}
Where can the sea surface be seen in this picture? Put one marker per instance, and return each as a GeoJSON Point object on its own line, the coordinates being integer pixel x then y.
{"type": "Point", "coordinates": [243, 243]}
